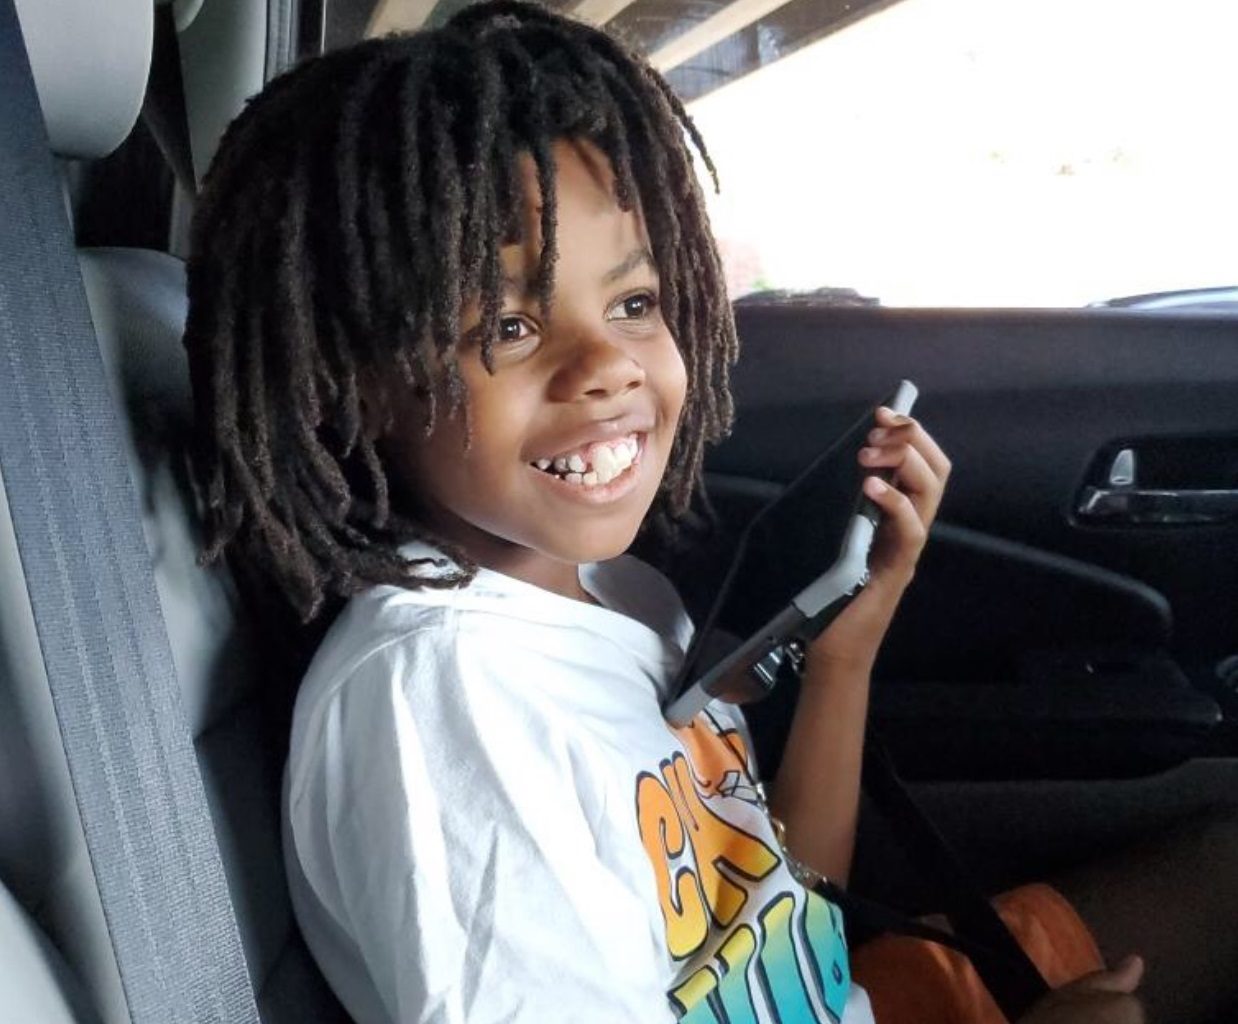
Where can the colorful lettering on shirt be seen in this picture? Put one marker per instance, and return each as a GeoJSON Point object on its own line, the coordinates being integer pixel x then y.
{"type": "Point", "coordinates": [673, 814]}
{"type": "Point", "coordinates": [662, 832]}
{"type": "Point", "coordinates": [782, 962]}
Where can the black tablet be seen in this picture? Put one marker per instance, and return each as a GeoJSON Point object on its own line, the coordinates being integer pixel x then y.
{"type": "Point", "coordinates": [797, 564]}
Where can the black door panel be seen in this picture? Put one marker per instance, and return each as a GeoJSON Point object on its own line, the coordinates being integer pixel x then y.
{"type": "Point", "coordinates": [1023, 402]}
{"type": "Point", "coordinates": [1031, 406]}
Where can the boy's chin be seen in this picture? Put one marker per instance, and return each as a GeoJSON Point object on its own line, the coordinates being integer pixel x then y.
{"type": "Point", "coordinates": [599, 547]}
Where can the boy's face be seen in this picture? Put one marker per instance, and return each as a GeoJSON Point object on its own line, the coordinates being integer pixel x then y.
{"type": "Point", "coordinates": [572, 432]}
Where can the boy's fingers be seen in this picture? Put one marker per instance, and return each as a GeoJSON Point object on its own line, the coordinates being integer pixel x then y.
{"type": "Point", "coordinates": [909, 429]}
{"type": "Point", "coordinates": [1124, 978]}
{"type": "Point", "coordinates": [915, 477]}
{"type": "Point", "coordinates": [901, 518]}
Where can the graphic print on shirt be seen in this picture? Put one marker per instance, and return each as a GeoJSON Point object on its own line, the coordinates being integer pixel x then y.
{"type": "Point", "coordinates": [755, 947]}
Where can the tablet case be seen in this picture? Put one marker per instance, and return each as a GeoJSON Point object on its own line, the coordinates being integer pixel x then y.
{"type": "Point", "coordinates": [752, 668]}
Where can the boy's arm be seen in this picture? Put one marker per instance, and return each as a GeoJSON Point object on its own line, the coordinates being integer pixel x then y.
{"type": "Point", "coordinates": [816, 794]}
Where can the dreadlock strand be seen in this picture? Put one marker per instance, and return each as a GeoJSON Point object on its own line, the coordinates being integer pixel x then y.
{"type": "Point", "coordinates": [478, 190]}
{"type": "Point", "coordinates": [255, 391]}
{"type": "Point", "coordinates": [532, 109]}
{"type": "Point", "coordinates": [445, 227]}
{"type": "Point", "coordinates": [378, 480]}
{"type": "Point", "coordinates": [543, 158]}
{"type": "Point", "coordinates": [689, 125]}
{"type": "Point", "coordinates": [413, 205]}
{"type": "Point", "coordinates": [380, 201]}
{"type": "Point", "coordinates": [294, 279]}
{"type": "Point", "coordinates": [348, 193]}
{"type": "Point", "coordinates": [348, 399]}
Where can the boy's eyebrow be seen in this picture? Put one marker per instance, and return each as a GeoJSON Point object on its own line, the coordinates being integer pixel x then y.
{"type": "Point", "coordinates": [630, 262]}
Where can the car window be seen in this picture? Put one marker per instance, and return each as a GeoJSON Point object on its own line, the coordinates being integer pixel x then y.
{"type": "Point", "coordinates": [947, 152]}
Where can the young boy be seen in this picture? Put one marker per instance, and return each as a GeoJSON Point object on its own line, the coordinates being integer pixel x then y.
{"type": "Point", "coordinates": [458, 332]}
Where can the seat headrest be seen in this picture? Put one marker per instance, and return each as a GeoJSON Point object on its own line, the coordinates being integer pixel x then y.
{"type": "Point", "coordinates": [90, 61]}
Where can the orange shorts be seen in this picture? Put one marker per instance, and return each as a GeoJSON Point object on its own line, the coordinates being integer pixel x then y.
{"type": "Point", "coordinates": [913, 981]}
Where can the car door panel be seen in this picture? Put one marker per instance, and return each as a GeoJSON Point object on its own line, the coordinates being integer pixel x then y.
{"type": "Point", "coordinates": [1015, 588]}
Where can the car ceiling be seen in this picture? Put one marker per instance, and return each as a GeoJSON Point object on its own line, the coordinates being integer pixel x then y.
{"type": "Point", "coordinates": [699, 45]}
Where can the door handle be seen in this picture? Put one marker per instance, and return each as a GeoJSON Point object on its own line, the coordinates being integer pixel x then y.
{"type": "Point", "coordinates": [1135, 505]}
{"type": "Point", "coordinates": [1123, 503]}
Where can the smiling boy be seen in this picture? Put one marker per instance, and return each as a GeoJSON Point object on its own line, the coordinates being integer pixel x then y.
{"type": "Point", "coordinates": [458, 332]}
{"type": "Point", "coordinates": [483, 797]}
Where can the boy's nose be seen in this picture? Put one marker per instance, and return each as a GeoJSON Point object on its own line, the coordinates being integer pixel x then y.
{"type": "Point", "coordinates": [596, 368]}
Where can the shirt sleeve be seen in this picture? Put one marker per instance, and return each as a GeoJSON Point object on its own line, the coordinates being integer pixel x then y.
{"type": "Point", "coordinates": [460, 858]}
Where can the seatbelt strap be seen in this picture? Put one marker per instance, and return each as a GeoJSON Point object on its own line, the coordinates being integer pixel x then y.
{"type": "Point", "coordinates": [163, 108]}
{"type": "Point", "coordinates": [878, 918]}
{"type": "Point", "coordinates": [87, 571]}
{"type": "Point", "coordinates": [1010, 976]}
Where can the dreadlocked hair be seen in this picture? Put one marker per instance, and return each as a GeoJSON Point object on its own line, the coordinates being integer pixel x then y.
{"type": "Point", "coordinates": [352, 207]}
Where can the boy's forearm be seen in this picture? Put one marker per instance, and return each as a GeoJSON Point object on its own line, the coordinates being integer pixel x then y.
{"type": "Point", "coordinates": [816, 793]}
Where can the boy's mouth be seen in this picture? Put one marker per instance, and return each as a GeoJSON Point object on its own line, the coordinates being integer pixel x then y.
{"type": "Point", "coordinates": [595, 464]}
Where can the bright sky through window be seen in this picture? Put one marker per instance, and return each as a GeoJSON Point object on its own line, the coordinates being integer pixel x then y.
{"type": "Point", "coordinates": [987, 153]}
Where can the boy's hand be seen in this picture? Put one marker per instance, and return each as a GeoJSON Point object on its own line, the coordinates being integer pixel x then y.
{"type": "Point", "coordinates": [1106, 997]}
{"type": "Point", "coordinates": [900, 444]}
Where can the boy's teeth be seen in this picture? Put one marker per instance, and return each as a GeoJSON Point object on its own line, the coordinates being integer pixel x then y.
{"type": "Point", "coordinates": [600, 463]}
{"type": "Point", "coordinates": [609, 463]}
{"type": "Point", "coordinates": [604, 464]}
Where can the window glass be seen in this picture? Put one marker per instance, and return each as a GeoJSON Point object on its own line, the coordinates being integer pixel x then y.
{"type": "Point", "coordinates": [946, 152]}
{"type": "Point", "coordinates": [987, 153]}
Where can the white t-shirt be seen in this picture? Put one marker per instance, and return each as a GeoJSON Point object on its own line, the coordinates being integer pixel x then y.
{"type": "Point", "coordinates": [487, 819]}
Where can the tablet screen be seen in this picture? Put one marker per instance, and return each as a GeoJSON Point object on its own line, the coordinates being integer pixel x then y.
{"type": "Point", "coordinates": [786, 547]}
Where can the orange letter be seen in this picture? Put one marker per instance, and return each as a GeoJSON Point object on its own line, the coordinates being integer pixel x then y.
{"type": "Point", "coordinates": [715, 842]}
{"type": "Point", "coordinates": [662, 833]}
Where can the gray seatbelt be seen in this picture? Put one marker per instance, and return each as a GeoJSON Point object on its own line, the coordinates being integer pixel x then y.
{"type": "Point", "coordinates": [87, 570]}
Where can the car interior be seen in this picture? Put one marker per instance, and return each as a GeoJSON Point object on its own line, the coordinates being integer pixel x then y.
{"type": "Point", "coordinates": [1061, 678]}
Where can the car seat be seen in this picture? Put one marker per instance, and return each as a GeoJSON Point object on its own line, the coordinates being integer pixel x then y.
{"type": "Point", "coordinates": [90, 63]}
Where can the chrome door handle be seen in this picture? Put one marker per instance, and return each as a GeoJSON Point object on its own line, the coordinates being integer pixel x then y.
{"type": "Point", "coordinates": [1122, 502]}
{"type": "Point", "coordinates": [1135, 505]}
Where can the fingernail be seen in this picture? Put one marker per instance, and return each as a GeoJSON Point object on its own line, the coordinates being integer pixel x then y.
{"type": "Point", "coordinates": [878, 435]}
{"type": "Point", "coordinates": [875, 485]}
{"type": "Point", "coordinates": [868, 453]}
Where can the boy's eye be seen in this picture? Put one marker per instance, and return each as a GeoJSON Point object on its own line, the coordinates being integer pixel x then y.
{"type": "Point", "coordinates": [512, 329]}
{"type": "Point", "coordinates": [633, 307]}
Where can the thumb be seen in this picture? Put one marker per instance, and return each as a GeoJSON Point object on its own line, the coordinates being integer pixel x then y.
{"type": "Point", "coordinates": [1124, 978]}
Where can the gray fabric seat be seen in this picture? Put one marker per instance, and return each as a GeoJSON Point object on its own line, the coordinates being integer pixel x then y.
{"type": "Point", "coordinates": [138, 303]}
{"type": "Point", "coordinates": [90, 82]}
